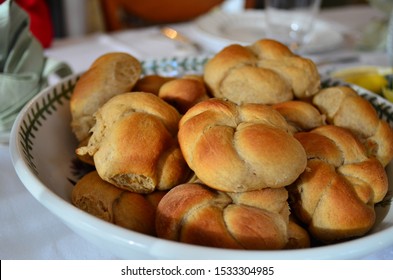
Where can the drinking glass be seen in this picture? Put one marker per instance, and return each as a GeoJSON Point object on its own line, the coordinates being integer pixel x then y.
{"type": "Point", "coordinates": [374, 34]}
{"type": "Point", "coordinates": [291, 21]}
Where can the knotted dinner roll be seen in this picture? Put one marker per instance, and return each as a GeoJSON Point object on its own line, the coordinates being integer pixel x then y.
{"type": "Point", "coordinates": [344, 107]}
{"type": "Point", "coordinates": [126, 209]}
{"type": "Point", "coordinates": [266, 72]}
{"type": "Point", "coordinates": [183, 93]}
{"type": "Point", "coordinates": [109, 75]}
{"type": "Point", "coordinates": [134, 143]}
{"type": "Point", "coordinates": [240, 148]}
{"type": "Point", "coordinates": [335, 195]}
{"type": "Point", "coordinates": [194, 213]}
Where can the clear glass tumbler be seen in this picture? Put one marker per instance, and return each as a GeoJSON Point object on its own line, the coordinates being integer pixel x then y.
{"type": "Point", "coordinates": [290, 21]}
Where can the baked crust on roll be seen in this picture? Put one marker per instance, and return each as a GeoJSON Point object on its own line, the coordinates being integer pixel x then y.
{"type": "Point", "coordinates": [240, 148]}
{"type": "Point", "coordinates": [134, 143]}
{"type": "Point", "coordinates": [197, 214]}
{"type": "Point", "coordinates": [151, 83]}
{"type": "Point", "coordinates": [335, 196]}
{"type": "Point", "coordinates": [183, 93]}
{"type": "Point", "coordinates": [109, 75]}
{"type": "Point", "coordinates": [298, 237]}
{"type": "Point", "coordinates": [126, 209]}
{"type": "Point", "coordinates": [300, 115]}
{"type": "Point", "coordinates": [266, 72]}
{"type": "Point", "coordinates": [345, 108]}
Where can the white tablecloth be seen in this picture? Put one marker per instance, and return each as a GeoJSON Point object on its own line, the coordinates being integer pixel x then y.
{"type": "Point", "coordinates": [30, 231]}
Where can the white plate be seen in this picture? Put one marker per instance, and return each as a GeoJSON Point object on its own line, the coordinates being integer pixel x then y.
{"type": "Point", "coordinates": [42, 150]}
{"type": "Point", "coordinates": [247, 27]}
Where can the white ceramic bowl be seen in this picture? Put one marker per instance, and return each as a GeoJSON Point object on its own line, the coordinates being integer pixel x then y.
{"type": "Point", "coordinates": [42, 149]}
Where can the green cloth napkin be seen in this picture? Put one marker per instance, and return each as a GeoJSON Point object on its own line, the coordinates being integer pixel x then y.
{"type": "Point", "coordinates": [24, 70]}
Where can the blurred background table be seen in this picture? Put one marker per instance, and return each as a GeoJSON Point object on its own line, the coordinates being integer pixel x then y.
{"type": "Point", "coordinates": [146, 43]}
{"type": "Point", "coordinates": [29, 231]}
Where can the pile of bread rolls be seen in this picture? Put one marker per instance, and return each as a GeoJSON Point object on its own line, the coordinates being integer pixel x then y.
{"type": "Point", "coordinates": [253, 154]}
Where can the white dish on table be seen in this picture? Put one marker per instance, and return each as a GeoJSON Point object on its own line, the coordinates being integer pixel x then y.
{"type": "Point", "coordinates": [221, 28]}
{"type": "Point", "coordinates": [42, 150]}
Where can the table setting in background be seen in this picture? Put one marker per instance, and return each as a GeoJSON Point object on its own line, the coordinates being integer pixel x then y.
{"type": "Point", "coordinates": [336, 42]}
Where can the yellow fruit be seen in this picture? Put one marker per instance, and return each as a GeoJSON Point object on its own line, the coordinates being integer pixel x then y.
{"type": "Point", "coordinates": [388, 94]}
{"type": "Point", "coordinates": [372, 81]}
{"type": "Point", "coordinates": [368, 77]}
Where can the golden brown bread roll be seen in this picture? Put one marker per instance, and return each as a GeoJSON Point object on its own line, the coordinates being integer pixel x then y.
{"type": "Point", "coordinates": [197, 214]}
{"type": "Point", "coordinates": [300, 115]}
{"type": "Point", "coordinates": [109, 75]}
{"type": "Point", "coordinates": [151, 83]}
{"type": "Point", "coordinates": [298, 237]}
{"type": "Point", "coordinates": [134, 143]}
{"type": "Point", "coordinates": [240, 148]}
{"type": "Point", "coordinates": [344, 107]}
{"type": "Point", "coordinates": [105, 201]}
{"type": "Point", "coordinates": [335, 196]}
{"type": "Point", "coordinates": [183, 93]}
{"type": "Point", "coordinates": [266, 72]}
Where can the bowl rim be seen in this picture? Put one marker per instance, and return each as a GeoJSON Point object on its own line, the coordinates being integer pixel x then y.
{"type": "Point", "coordinates": [154, 246]}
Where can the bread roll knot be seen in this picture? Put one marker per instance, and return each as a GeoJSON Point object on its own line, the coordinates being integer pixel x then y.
{"type": "Point", "coordinates": [266, 72]}
{"type": "Point", "coordinates": [345, 108]}
{"type": "Point", "coordinates": [335, 196]}
{"type": "Point", "coordinates": [134, 143]}
{"type": "Point", "coordinates": [240, 148]}
{"type": "Point", "coordinates": [197, 214]}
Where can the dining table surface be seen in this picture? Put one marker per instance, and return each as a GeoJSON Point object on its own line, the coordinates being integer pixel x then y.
{"type": "Point", "coordinates": [29, 231]}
